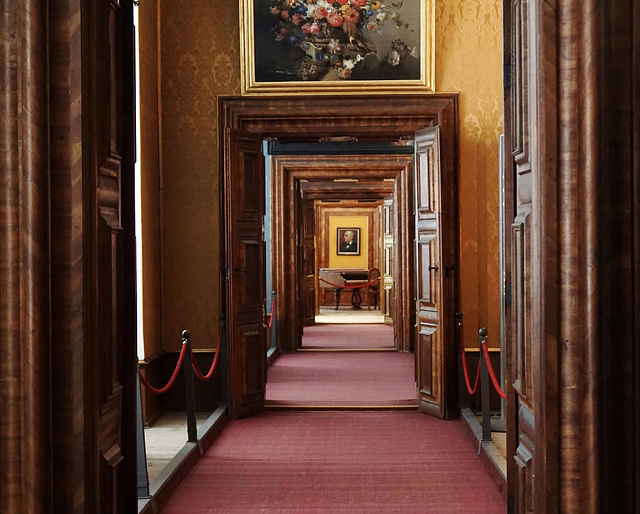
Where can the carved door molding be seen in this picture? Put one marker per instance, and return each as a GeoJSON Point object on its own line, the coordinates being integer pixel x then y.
{"type": "Point", "coordinates": [573, 135]}
{"type": "Point", "coordinates": [67, 254]}
{"type": "Point", "coordinates": [366, 118]}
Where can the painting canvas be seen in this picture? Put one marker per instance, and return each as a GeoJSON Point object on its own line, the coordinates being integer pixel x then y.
{"type": "Point", "coordinates": [330, 46]}
{"type": "Point", "coordinates": [348, 241]}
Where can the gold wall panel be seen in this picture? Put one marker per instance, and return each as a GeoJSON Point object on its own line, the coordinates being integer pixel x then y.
{"type": "Point", "coordinates": [469, 60]}
{"type": "Point", "coordinates": [199, 61]}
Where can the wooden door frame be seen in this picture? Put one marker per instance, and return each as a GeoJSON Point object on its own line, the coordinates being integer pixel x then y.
{"type": "Point", "coordinates": [368, 118]}
{"type": "Point", "coordinates": [285, 173]}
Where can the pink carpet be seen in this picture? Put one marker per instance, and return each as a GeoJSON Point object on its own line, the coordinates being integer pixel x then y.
{"type": "Point", "coordinates": [348, 336]}
{"type": "Point", "coordinates": [339, 462]}
{"type": "Point", "coordinates": [342, 378]}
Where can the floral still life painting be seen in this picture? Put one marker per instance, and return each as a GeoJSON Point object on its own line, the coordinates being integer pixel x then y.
{"type": "Point", "coordinates": [375, 45]}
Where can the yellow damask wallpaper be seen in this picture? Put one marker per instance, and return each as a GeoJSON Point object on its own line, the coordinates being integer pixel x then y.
{"type": "Point", "coordinates": [469, 60]}
{"type": "Point", "coordinates": [200, 59]}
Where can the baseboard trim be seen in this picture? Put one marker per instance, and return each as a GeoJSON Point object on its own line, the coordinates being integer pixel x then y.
{"type": "Point", "coordinates": [318, 349]}
{"type": "Point", "coordinates": [338, 407]}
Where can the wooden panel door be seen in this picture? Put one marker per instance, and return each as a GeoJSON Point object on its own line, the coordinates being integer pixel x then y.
{"type": "Point", "coordinates": [520, 374]}
{"type": "Point", "coordinates": [428, 248]}
{"type": "Point", "coordinates": [307, 232]}
{"type": "Point", "coordinates": [572, 97]}
{"type": "Point", "coordinates": [386, 303]}
{"type": "Point", "coordinates": [243, 202]}
{"type": "Point", "coordinates": [109, 256]}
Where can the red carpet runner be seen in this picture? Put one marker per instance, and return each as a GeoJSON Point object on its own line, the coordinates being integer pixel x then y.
{"type": "Point", "coordinates": [348, 336]}
{"type": "Point", "coordinates": [342, 379]}
{"type": "Point", "coordinates": [339, 462]}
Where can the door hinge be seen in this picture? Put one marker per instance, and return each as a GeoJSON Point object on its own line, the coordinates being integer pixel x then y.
{"type": "Point", "coordinates": [507, 293]}
{"type": "Point", "coordinates": [226, 273]}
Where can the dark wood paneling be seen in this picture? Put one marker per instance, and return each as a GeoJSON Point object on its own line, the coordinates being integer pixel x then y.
{"type": "Point", "coordinates": [10, 277]}
{"type": "Point", "coordinates": [307, 258]}
{"type": "Point", "coordinates": [523, 460]}
{"type": "Point", "coordinates": [35, 338]}
{"type": "Point", "coordinates": [245, 261]}
{"type": "Point", "coordinates": [109, 256]}
{"type": "Point", "coordinates": [366, 118]}
{"type": "Point", "coordinates": [73, 328]}
{"type": "Point", "coordinates": [67, 274]}
{"type": "Point", "coordinates": [575, 434]}
{"type": "Point", "coordinates": [610, 151]}
{"type": "Point", "coordinates": [523, 365]}
{"type": "Point", "coordinates": [508, 209]}
{"type": "Point", "coordinates": [25, 483]}
{"type": "Point", "coordinates": [361, 190]}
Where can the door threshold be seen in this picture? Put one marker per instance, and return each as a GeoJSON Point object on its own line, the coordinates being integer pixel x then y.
{"type": "Point", "coordinates": [279, 405]}
{"type": "Point", "coordinates": [320, 349]}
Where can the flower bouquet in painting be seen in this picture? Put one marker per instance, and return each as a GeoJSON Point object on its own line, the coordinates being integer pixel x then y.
{"type": "Point", "coordinates": [327, 40]}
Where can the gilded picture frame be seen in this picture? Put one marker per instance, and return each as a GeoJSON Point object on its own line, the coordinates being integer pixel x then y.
{"type": "Point", "coordinates": [292, 47]}
{"type": "Point", "coordinates": [348, 241]}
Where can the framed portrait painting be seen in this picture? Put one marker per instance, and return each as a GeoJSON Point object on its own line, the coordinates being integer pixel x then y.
{"type": "Point", "coordinates": [348, 242]}
{"type": "Point", "coordinates": [337, 46]}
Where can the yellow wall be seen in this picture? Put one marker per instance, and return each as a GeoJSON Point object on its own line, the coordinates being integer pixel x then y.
{"type": "Point", "coordinates": [349, 261]}
{"type": "Point", "coordinates": [469, 60]}
{"type": "Point", "coordinates": [200, 59]}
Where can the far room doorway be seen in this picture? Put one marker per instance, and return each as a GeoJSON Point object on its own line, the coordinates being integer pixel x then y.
{"type": "Point", "coordinates": [320, 194]}
{"type": "Point", "coordinates": [430, 273]}
{"type": "Point", "coordinates": [346, 354]}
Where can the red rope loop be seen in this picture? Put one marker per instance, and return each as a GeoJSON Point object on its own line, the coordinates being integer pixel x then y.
{"type": "Point", "coordinates": [473, 390]}
{"type": "Point", "coordinates": [491, 372]}
{"type": "Point", "coordinates": [273, 306]}
{"type": "Point", "coordinates": [352, 287]}
{"type": "Point", "coordinates": [173, 377]}
{"type": "Point", "coordinates": [196, 369]}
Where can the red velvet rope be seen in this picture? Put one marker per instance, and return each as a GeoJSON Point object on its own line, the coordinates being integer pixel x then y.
{"type": "Point", "coordinates": [196, 369]}
{"type": "Point", "coordinates": [491, 372]}
{"type": "Point", "coordinates": [351, 287]}
{"type": "Point", "coordinates": [464, 367]}
{"type": "Point", "coordinates": [173, 377]}
{"type": "Point", "coordinates": [273, 306]}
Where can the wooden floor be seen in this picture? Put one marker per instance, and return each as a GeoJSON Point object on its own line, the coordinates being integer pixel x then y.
{"type": "Point", "coordinates": [166, 438]}
{"type": "Point", "coordinates": [499, 458]}
{"type": "Point", "coordinates": [346, 314]}
{"type": "Point", "coordinates": [500, 440]}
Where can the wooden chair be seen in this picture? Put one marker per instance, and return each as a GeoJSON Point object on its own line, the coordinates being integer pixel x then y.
{"type": "Point", "coordinates": [373, 290]}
